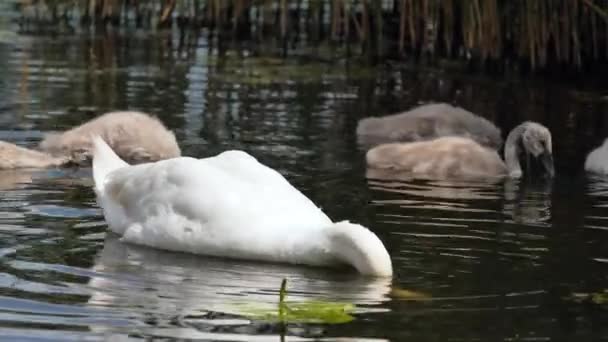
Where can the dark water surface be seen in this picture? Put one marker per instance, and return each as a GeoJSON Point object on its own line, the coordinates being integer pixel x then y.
{"type": "Point", "coordinates": [494, 261]}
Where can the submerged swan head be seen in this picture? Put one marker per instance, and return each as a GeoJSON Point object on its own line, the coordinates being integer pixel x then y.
{"type": "Point", "coordinates": [535, 140]}
{"type": "Point", "coordinates": [359, 247]}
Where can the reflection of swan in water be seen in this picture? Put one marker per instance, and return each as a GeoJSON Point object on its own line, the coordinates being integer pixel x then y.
{"type": "Point", "coordinates": [597, 194]}
{"type": "Point", "coordinates": [16, 179]}
{"type": "Point", "coordinates": [524, 202]}
{"type": "Point", "coordinates": [528, 203]}
{"type": "Point", "coordinates": [597, 160]}
{"type": "Point", "coordinates": [12, 179]}
{"type": "Point", "coordinates": [427, 122]}
{"type": "Point", "coordinates": [21, 189]}
{"type": "Point", "coordinates": [164, 287]}
{"type": "Point", "coordinates": [438, 189]}
{"type": "Point", "coordinates": [597, 187]}
{"type": "Point", "coordinates": [458, 157]}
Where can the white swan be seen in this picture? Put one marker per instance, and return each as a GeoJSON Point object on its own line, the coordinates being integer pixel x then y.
{"type": "Point", "coordinates": [459, 157]}
{"type": "Point", "coordinates": [135, 136]}
{"type": "Point", "coordinates": [597, 160]}
{"type": "Point", "coordinates": [229, 205]}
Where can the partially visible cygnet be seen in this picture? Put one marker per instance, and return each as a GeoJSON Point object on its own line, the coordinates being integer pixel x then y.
{"type": "Point", "coordinates": [136, 137]}
{"type": "Point", "coordinates": [428, 122]}
{"type": "Point", "coordinates": [459, 157]}
{"type": "Point", "coordinates": [17, 157]}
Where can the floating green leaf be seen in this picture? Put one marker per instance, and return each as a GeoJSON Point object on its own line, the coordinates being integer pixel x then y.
{"type": "Point", "coordinates": [304, 312]}
{"type": "Point", "coordinates": [299, 312]}
{"type": "Point", "coordinates": [406, 294]}
{"type": "Point", "coordinates": [599, 298]}
{"type": "Point", "coordinates": [8, 36]}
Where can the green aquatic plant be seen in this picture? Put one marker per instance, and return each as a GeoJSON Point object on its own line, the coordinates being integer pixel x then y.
{"type": "Point", "coordinates": [8, 36]}
{"type": "Point", "coordinates": [598, 298]}
{"type": "Point", "coordinates": [299, 312]}
{"type": "Point", "coordinates": [266, 70]}
{"type": "Point", "coordinates": [409, 295]}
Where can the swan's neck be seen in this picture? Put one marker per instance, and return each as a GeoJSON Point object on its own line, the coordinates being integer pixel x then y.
{"type": "Point", "coordinates": [512, 149]}
{"type": "Point", "coordinates": [359, 247]}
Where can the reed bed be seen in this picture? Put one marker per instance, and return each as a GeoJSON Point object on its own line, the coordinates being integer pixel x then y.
{"type": "Point", "coordinates": [538, 32]}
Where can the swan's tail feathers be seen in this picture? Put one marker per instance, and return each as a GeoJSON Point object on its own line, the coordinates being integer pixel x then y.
{"type": "Point", "coordinates": [104, 162]}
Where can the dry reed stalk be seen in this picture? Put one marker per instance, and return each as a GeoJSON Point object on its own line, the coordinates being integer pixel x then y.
{"type": "Point", "coordinates": [335, 19]}
{"type": "Point", "coordinates": [412, 23]}
{"type": "Point", "coordinates": [575, 36]}
{"type": "Point", "coordinates": [379, 21]}
{"type": "Point", "coordinates": [477, 27]}
{"type": "Point", "coordinates": [364, 21]}
{"type": "Point", "coordinates": [597, 9]}
{"type": "Point", "coordinates": [358, 26]}
{"type": "Point", "coordinates": [594, 39]}
{"type": "Point", "coordinates": [166, 11]}
{"type": "Point", "coordinates": [346, 25]}
{"type": "Point", "coordinates": [283, 18]}
{"type": "Point", "coordinates": [540, 31]}
{"type": "Point", "coordinates": [402, 10]}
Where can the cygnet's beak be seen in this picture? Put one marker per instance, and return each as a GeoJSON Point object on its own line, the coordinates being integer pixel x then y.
{"type": "Point", "coordinates": [547, 161]}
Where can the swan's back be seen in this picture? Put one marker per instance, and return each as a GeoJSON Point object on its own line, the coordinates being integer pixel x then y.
{"type": "Point", "coordinates": [441, 158]}
{"type": "Point", "coordinates": [17, 157]}
{"type": "Point", "coordinates": [136, 137]}
{"type": "Point", "coordinates": [427, 122]}
{"type": "Point", "coordinates": [597, 160]}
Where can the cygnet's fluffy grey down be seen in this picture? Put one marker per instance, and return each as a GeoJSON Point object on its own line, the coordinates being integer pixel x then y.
{"type": "Point", "coordinates": [427, 122]}
{"type": "Point", "coordinates": [136, 137]}
{"type": "Point", "coordinates": [460, 157]}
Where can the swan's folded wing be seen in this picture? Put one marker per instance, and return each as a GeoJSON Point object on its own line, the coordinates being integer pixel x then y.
{"type": "Point", "coordinates": [223, 190]}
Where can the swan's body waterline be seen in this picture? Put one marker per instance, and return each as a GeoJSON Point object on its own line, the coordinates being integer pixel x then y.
{"type": "Point", "coordinates": [460, 157]}
{"type": "Point", "coordinates": [229, 205]}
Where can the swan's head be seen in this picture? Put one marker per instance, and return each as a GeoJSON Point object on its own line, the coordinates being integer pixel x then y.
{"type": "Point", "coordinates": [536, 140]}
{"type": "Point", "coordinates": [357, 246]}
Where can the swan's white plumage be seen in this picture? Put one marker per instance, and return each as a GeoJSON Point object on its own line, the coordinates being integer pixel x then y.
{"type": "Point", "coordinates": [229, 205]}
{"type": "Point", "coordinates": [597, 160]}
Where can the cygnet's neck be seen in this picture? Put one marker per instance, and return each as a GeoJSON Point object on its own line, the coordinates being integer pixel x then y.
{"type": "Point", "coordinates": [357, 246]}
{"type": "Point", "coordinates": [512, 146]}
